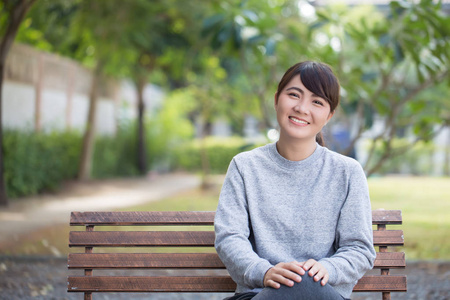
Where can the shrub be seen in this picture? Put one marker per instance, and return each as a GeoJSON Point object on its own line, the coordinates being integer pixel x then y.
{"type": "Point", "coordinates": [220, 152]}
{"type": "Point", "coordinates": [39, 161]}
{"type": "Point", "coordinates": [115, 156]}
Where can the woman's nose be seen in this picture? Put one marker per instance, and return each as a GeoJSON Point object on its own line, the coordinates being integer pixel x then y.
{"type": "Point", "coordinates": [301, 107]}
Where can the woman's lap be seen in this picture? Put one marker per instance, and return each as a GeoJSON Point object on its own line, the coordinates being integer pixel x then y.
{"type": "Point", "coordinates": [307, 289]}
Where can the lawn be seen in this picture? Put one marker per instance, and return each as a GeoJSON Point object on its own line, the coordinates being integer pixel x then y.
{"type": "Point", "coordinates": [425, 204]}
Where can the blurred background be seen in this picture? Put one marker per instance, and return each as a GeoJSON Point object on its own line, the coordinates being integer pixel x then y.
{"type": "Point", "coordinates": [134, 93]}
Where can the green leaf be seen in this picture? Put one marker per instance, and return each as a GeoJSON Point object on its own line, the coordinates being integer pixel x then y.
{"type": "Point", "coordinates": [270, 47]}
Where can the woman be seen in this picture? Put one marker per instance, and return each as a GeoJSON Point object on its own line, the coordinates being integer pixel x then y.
{"type": "Point", "coordinates": [294, 218]}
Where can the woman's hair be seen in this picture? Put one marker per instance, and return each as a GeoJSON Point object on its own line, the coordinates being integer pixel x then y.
{"type": "Point", "coordinates": [319, 79]}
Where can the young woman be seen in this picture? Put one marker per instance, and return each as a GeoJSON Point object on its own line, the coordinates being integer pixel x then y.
{"type": "Point", "coordinates": [294, 218]}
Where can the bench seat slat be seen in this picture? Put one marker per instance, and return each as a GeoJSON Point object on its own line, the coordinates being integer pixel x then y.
{"type": "Point", "coordinates": [184, 260]}
{"type": "Point", "coordinates": [390, 260]}
{"type": "Point", "coordinates": [388, 238]}
{"type": "Point", "coordinates": [145, 261]}
{"type": "Point", "coordinates": [182, 238]}
{"type": "Point", "coordinates": [386, 217]}
{"type": "Point", "coordinates": [378, 283]}
{"type": "Point", "coordinates": [141, 238]}
{"type": "Point", "coordinates": [150, 284]}
{"type": "Point", "coordinates": [203, 284]}
{"type": "Point", "coordinates": [131, 218]}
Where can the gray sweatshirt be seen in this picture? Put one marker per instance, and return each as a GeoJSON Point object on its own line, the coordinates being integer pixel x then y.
{"type": "Point", "coordinates": [274, 210]}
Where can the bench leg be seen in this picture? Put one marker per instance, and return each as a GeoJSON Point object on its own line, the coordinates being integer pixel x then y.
{"type": "Point", "coordinates": [386, 296]}
{"type": "Point", "coordinates": [88, 296]}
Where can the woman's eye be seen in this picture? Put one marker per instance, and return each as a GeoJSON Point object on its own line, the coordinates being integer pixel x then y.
{"type": "Point", "coordinates": [293, 95]}
{"type": "Point", "coordinates": [318, 102]}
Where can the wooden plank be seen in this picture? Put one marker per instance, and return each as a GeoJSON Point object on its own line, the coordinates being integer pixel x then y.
{"type": "Point", "coordinates": [182, 238]}
{"type": "Point", "coordinates": [381, 284]}
{"type": "Point", "coordinates": [204, 284]}
{"type": "Point", "coordinates": [141, 239]}
{"type": "Point", "coordinates": [145, 261]}
{"type": "Point", "coordinates": [185, 218]}
{"type": "Point", "coordinates": [381, 216]}
{"type": "Point", "coordinates": [185, 261]}
{"type": "Point", "coordinates": [128, 218]}
{"type": "Point", "coordinates": [150, 284]}
{"type": "Point", "coordinates": [388, 238]}
{"type": "Point", "coordinates": [390, 260]}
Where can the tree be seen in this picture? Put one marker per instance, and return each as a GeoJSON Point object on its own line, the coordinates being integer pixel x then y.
{"type": "Point", "coordinates": [12, 14]}
{"type": "Point", "coordinates": [385, 65]}
{"type": "Point", "coordinates": [98, 28]}
{"type": "Point", "coordinates": [152, 38]}
{"type": "Point", "coordinates": [91, 33]}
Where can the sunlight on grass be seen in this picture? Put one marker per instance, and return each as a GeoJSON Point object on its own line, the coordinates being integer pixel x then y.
{"type": "Point", "coordinates": [425, 205]}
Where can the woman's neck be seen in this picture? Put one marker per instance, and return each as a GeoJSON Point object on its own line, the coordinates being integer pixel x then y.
{"type": "Point", "coordinates": [296, 151]}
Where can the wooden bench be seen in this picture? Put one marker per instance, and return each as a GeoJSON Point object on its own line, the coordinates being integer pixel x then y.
{"type": "Point", "coordinates": [206, 277]}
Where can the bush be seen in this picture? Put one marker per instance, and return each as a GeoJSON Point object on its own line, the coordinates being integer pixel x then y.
{"type": "Point", "coordinates": [34, 162]}
{"type": "Point", "coordinates": [116, 156]}
{"type": "Point", "coordinates": [220, 152]}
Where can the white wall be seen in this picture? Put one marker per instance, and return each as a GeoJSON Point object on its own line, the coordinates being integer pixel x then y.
{"type": "Point", "coordinates": [18, 105]}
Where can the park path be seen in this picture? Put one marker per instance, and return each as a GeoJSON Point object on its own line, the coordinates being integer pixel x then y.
{"type": "Point", "coordinates": [33, 213]}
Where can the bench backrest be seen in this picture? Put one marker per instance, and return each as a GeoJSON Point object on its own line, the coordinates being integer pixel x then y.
{"type": "Point", "coordinates": [196, 231]}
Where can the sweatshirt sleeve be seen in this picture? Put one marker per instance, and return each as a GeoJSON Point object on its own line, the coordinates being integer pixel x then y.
{"type": "Point", "coordinates": [354, 236]}
{"type": "Point", "coordinates": [233, 229]}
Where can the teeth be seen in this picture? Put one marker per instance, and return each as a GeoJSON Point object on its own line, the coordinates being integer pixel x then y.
{"type": "Point", "coordinates": [298, 121]}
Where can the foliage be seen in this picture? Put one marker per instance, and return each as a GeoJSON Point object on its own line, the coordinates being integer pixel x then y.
{"type": "Point", "coordinates": [168, 128]}
{"type": "Point", "coordinates": [113, 154]}
{"type": "Point", "coordinates": [220, 151]}
{"type": "Point", "coordinates": [229, 54]}
{"type": "Point", "coordinates": [37, 161]}
{"type": "Point", "coordinates": [418, 160]}
{"type": "Point", "coordinates": [385, 64]}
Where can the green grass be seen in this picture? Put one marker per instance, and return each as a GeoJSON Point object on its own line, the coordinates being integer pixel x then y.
{"type": "Point", "coordinates": [424, 201]}
{"type": "Point", "coordinates": [425, 205]}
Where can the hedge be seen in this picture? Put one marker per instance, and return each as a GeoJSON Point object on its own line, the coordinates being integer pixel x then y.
{"type": "Point", "coordinates": [220, 152]}
{"type": "Point", "coordinates": [38, 161]}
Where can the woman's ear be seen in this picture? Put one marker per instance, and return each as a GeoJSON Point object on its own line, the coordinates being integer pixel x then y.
{"type": "Point", "coordinates": [330, 116]}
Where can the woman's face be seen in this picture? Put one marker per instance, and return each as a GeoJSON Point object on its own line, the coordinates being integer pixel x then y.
{"type": "Point", "coordinates": [300, 113]}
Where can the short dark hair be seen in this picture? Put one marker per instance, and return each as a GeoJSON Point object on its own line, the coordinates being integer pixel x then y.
{"type": "Point", "coordinates": [319, 79]}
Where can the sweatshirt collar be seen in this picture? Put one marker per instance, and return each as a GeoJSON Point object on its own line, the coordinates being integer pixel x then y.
{"type": "Point", "coordinates": [289, 164]}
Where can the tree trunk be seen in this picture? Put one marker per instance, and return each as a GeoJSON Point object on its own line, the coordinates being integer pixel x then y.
{"type": "Point", "coordinates": [16, 12]}
{"type": "Point", "coordinates": [206, 167]}
{"type": "Point", "coordinates": [141, 149]}
{"type": "Point", "coordinates": [88, 147]}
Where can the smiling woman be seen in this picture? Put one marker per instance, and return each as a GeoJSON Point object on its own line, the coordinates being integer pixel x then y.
{"type": "Point", "coordinates": [305, 103]}
{"type": "Point", "coordinates": [294, 218]}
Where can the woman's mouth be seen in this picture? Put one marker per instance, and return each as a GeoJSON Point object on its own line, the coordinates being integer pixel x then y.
{"type": "Point", "coordinates": [298, 121]}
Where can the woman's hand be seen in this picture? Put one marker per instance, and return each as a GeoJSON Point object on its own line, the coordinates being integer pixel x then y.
{"type": "Point", "coordinates": [316, 269]}
{"type": "Point", "coordinates": [283, 273]}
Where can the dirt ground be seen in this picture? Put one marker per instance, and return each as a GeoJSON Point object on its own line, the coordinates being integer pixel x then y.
{"type": "Point", "coordinates": [45, 278]}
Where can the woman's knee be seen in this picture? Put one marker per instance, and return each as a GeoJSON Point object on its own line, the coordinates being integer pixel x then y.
{"type": "Point", "coordinates": [306, 289]}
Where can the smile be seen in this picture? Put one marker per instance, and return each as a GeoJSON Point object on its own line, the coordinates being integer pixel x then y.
{"type": "Point", "coordinates": [298, 121]}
